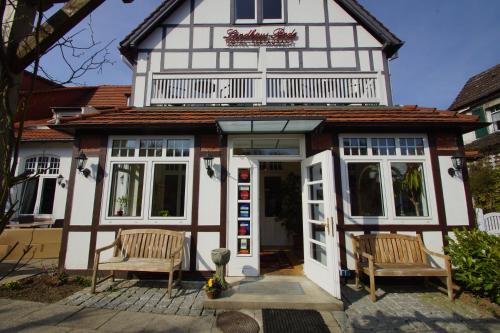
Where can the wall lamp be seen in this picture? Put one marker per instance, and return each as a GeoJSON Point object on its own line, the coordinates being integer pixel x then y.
{"type": "Point", "coordinates": [61, 181]}
{"type": "Point", "coordinates": [458, 161]}
{"type": "Point", "coordinates": [81, 160]}
{"type": "Point", "coordinates": [208, 165]}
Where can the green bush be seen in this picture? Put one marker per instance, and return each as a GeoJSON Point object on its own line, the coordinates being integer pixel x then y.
{"type": "Point", "coordinates": [475, 256]}
{"type": "Point", "coordinates": [82, 281]}
{"type": "Point", "coordinates": [485, 186]}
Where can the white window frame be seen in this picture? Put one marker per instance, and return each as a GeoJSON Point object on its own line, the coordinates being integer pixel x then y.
{"type": "Point", "coordinates": [246, 21]}
{"type": "Point", "coordinates": [41, 178]}
{"type": "Point", "coordinates": [385, 161]}
{"type": "Point", "coordinates": [281, 20]}
{"type": "Point", "coordinates": [149, 162]}
{"type": "Point", "coordinates": [259, 8]}
{"type": "Point", "coordinates": [270, 158]}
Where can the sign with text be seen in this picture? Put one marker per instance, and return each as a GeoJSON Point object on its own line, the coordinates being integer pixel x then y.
{"type": "Point", "coordinates": [279, 37]}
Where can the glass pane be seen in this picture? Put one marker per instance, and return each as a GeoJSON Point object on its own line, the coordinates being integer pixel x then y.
{"type": "Point", "coordinates": [150, 147]}
{"type": "Point", "coordinates": [43, 165]}
{"type": "Point", "coordinates": [318, 253]}
{"type": "Point", "coordinates": [29, 165]}
{"type": "Point", "coordinates": [271, 9]}
{"type": "Point", "coordinates": [355, 146]}
{"type": "Point", "coordinates": [383, 146]}
{"type": "Point", "coordinates": [315, 172]}
{"type": "Point", "coordinates": [169, 190]}
{"type": "Point", "coordinates": [245, 9]}
{"type": "Point", "coordinates": [267, 147]}
{"type": "Point", "coordinates": [126, 190]}
{"type": "Point", "coordinates": [412, 146]}
{"type": "Point", "coordinates": [318, 232]}
{"type": "Point", "coordinates": [48, 193]}
{"type": "Point", "coordinates": [316, 212]}
{"type": "Point", "coordinates": [123, 148]}
{"type": "Point", "coordinates": [316, 192]}
{"type": "Point", "coordinates": [28, 199]}
{"type": "Point", "coordinates": [408, 182]}
{"type": "Point", "coordinates": [365, 189]}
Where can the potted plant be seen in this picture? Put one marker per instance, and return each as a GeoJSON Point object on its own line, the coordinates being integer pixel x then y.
{"type": "Point", "coordinates": [123, 202]}
{"type": "Point", "coordinates": [164, 213]}
{"type": "Point", "coordinates": [213, 287]}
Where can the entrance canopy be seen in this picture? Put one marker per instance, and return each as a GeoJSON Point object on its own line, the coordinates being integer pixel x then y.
{"type": "Point", "coordinates": [269, 125]}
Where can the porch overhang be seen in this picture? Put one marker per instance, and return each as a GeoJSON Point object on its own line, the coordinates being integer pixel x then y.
{"type": "Point", "coordinates": [268, 125]}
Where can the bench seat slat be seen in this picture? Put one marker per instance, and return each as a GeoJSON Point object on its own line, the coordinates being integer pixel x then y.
{"type": "Point", "coordinates": [139, 264]}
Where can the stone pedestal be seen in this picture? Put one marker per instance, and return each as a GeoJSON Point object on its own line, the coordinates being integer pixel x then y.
{"type": "Point", "coordinates": [221, 257]}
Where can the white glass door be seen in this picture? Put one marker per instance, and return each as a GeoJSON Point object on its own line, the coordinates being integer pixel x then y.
{"type": "Point", "coordinates": [321, 264]}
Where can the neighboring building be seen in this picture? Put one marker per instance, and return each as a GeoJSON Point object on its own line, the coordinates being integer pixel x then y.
{"type": "Point", "coordinates": [480, 96]}
{"type": "Point", "coordinates": [228, 97]}
{"type": "Point", "coordinates": [49, 151]}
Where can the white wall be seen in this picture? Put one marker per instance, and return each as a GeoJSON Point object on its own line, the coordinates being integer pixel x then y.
{"type": "Point", "coordinates": [453, 193]}
{"type": "Point", "coordinates": [77, 252]}
{"type": "Point", "coordinates": [207, 241]}
{"type": "Point", "coordinates": [83, 196]}
{"type": "Point", "coordinates": [209, 195]}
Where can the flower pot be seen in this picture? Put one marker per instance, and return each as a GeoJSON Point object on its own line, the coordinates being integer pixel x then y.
{"type": "Point", "coordinates": [119, 213]}
{"type": "Point", "coordinates": [213, 293]}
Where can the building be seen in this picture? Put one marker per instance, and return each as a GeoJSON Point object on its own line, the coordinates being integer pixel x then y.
{"type": "Point", "coordinates": [49, 151]}
{"type": "Point", "coordinates": [233, 101]}
{"type": "Point", "coordinates": [480, 96]}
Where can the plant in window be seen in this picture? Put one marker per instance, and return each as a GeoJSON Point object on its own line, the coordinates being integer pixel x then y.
{"type": "Point", "coordinates": [164, 213]}
{"type": "Point", "coordinates": [123, 202]}
{"type": "Point", "coordinates": [412, 184]}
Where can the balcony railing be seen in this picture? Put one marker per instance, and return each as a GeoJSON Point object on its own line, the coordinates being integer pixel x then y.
{"type": "Point", "coordinates": [267, 88]}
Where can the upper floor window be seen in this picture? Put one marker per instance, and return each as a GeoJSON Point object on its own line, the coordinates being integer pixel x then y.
{"type": "Point", "coordinates": [495, 118]}
{"type": "Point", "coordinates": [38, 193]}
{"type": "Point", "coordinates": [246, 11]}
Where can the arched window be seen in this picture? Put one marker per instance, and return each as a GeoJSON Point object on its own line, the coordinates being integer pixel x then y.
{"type": "Point", "coordinates": [37, 196]}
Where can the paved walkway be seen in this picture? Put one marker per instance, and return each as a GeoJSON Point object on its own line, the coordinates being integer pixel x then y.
{"type": "Point", "coordinates": [411, 309]}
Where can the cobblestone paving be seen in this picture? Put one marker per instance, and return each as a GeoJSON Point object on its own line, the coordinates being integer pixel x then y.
{"type": "Point", "coordinates": [410, 310]}
{"type": "Point", "coordinates": [143, 296]}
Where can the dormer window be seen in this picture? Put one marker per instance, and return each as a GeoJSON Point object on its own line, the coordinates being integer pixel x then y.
{"type": "Point", "coordinates": [270, 11]}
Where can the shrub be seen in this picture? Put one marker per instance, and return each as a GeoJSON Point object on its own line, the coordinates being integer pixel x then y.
{"type": "Point", "coordinates": [485, 186]}
{"type": "Point", "coordinates": [82, 281]}
{"type": "Point", "coordinates": [475, 256]}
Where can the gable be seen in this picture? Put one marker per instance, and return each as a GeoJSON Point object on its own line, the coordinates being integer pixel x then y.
{"type": "Point", "coordinates": [148, 35]}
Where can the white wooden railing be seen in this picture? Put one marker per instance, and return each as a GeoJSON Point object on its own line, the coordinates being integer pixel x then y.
{"type": "Point", "coordinates": [488, 222]}
{"type": "Point", "coordinates": [267, 88]}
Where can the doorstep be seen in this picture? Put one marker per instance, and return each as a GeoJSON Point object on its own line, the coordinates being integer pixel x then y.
{"type": "Point", "coordinates": [274, 292]}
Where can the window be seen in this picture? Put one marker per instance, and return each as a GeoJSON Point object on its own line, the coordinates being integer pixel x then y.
{"type": "Point", "coordinates": [123, 148]}
{"type": "Point", "coordinates": [36, 199]}
{"type": "Point", "coordinates": [127, 182]}
{"type": "Point", "coordinates": [355, 146]}
{"type": "Point", "coordinates": [408, 182]}
{"type": "Point", "coordinates": [365, 189]}
{"type": "Point", "coordinates": [385, 177]}
{"type": "Point", "coordinates": [245, 10]}
{"type": "Point", "coordinates": [149, 179]}
{"type": "Point", "coordinates": [383, 146]}
{"type": "Point", "coordinates": [272, 9]}
{"type": "Point", "coordinates": [495, 118]}
{"type": "Point", "coordinates": [266, 147]}
{"type": "Point", "coordinates": [411, 146]}
{"type": "Point", "coordinates": [169, 190]}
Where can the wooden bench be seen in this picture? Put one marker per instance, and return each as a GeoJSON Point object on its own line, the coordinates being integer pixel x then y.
{"type": "Point", "coordinates": [396, 255]}
{"type": "Point", "coordinates": [143, 250]}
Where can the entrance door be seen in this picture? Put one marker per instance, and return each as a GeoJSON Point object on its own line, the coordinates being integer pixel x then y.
{"type": "Point", "coordinates": [320, 236]}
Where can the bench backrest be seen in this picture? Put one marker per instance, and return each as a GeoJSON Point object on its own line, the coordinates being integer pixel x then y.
{"type": "Point", "coordinates": [149, 243]}
{"type": "Point", "coordinates": [391, 248]}
{"type": "Point", "coordinates": [492, 223]}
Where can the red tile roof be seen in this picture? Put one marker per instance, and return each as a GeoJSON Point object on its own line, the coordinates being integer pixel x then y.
{"type": "Point", "coordinates": [37, 130]}
{"type": "Point", "coordinates": [390, 116]}
{"type": "Point", "coordinates": [42, 101]}
{"type": "Point", "coordinates": [478, 89]}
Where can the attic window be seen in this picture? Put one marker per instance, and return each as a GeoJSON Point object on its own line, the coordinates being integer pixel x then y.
{"type": "Point", "coordinates": [245, 10]}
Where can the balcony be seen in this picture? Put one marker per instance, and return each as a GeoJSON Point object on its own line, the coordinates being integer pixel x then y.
{"type": "Point", "coordinates": [268, 88]}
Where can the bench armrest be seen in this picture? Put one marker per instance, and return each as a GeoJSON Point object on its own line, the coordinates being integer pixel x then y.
{"type": "Point", "coordinates": [174, 252]}
{"type": "Point", "coordinates": [367, 256]}
{"type": "Point", "coordinates": [440, 255]}
{"type": "Point", "coordinates": [112, 245]}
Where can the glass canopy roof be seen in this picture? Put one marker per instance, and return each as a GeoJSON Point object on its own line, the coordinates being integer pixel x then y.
{"type": "Point", "coordinates": [275, 125]}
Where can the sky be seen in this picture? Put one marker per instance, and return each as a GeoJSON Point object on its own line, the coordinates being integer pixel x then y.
{"type": "Point", "coordinates": [446, 42]}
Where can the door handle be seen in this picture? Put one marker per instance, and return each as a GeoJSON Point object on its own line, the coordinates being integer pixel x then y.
{"type": "Point", "coordinates": [327, 226]}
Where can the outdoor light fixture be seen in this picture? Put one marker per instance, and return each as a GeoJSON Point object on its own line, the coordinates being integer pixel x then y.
{"type": "Point", "coordinates": [81, 160]}
{"type": "Point", "coordinates": [61, 181]}
{"type": "Point", "coordinates": [458, 161]}
{"type": "Point", "coordinates": [208, 165]}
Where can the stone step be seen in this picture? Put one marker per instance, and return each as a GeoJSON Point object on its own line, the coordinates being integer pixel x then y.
{"type": "Point", "coordinates": [275, 292]}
